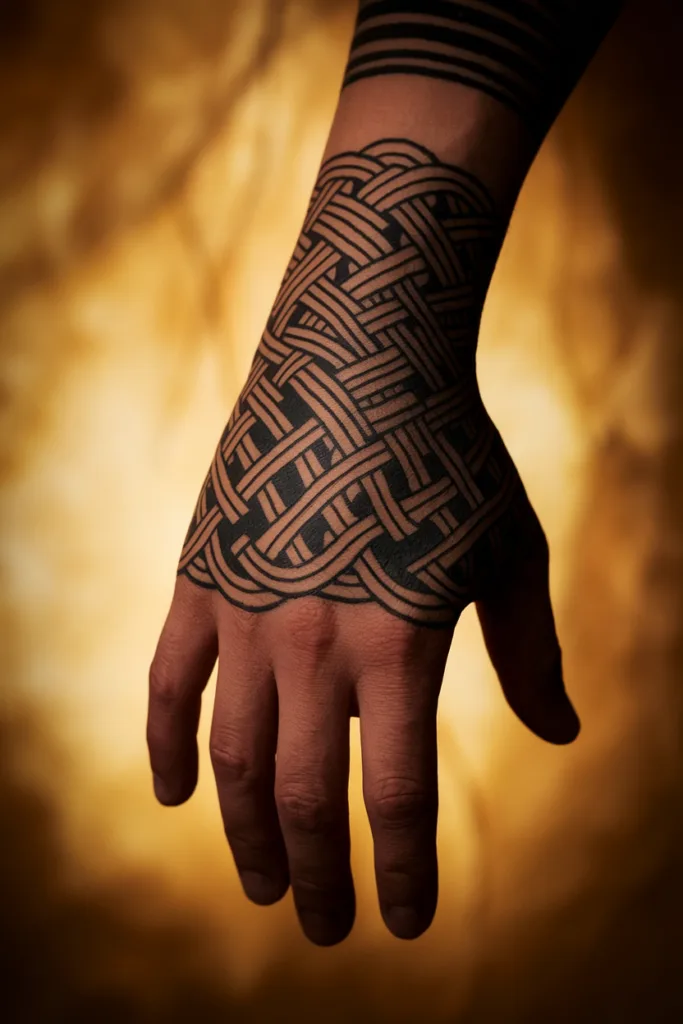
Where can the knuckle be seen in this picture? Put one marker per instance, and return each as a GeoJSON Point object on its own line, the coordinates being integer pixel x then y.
{"type": "Point", "coordinates": [164, 686]}
{"type": "Point", "coordinates": [305, 809]}
{"type": "Point", "coordinates": [400, 803]}
{"type": "Point", "coordinates": [311, 626]}
{"type": "Point", "coordinates": [232, 764]}
{"type": "Point", "coordinates": [247, 623]}
{"type": "Point", "coordinates": [390, 644]}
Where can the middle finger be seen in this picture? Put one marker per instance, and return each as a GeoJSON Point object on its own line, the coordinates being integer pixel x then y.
{"type": "Point", "coordinates": [312, 771]}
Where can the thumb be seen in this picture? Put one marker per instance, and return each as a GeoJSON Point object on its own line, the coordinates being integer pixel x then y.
{"type": "Point", "coordinates": [517, 621]}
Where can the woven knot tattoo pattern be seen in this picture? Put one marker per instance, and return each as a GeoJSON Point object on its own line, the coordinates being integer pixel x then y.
{"type": "Point", "coordinates": [358, 463]}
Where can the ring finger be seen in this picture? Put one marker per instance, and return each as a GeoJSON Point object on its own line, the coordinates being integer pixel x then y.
{"type": "Point", "coordinates": [243, 742]}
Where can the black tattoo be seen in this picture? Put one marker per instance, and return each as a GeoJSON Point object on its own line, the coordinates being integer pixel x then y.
{"type": "Point", "coordinates": [359, 463]}
{"type": "Point", "coordinates": [527, 54]}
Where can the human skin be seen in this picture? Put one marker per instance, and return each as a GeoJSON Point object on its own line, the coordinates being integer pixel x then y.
{"type": "Point", "coordinates": [360, 497]}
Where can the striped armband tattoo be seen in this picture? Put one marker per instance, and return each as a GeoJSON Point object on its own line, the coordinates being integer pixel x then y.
{"type": "Point", "coordinates": [528, 54]}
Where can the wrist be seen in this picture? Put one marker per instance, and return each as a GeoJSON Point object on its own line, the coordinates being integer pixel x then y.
{"type": "Point", "coordinates": [460, 126]}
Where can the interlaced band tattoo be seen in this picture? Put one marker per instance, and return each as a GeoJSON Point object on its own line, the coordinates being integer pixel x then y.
{"type": "Point", "coordinates": [528, 54]}
{"type": "Point", "coordinates": [359, 463]}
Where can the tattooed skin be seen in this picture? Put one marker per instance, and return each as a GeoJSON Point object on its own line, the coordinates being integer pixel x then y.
{"type": "Point", "coordinates": [525, 53]}
{"type": "Point", "coordinates": [359, 463]}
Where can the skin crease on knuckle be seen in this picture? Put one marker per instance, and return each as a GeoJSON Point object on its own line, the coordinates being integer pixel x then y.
{"type": "Point", "coordinates": [308, 626]}
{"type": "Point", "coordinates": [305, 808]}
{"type": "Point", "coordinates": [165, 687]}
{"type": "Point", "coordinates": [399, 804]}
{"type": "Point", "coordinates": [400, 801]}
{"type": "Point", "coordinates": [230, 763]}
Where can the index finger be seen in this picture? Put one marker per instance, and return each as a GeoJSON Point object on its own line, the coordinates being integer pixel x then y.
{"type": "Point", "coordinates": [184, 659]}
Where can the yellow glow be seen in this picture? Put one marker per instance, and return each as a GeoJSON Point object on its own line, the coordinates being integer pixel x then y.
{"type": "Point", "coordinates": [122, 365]}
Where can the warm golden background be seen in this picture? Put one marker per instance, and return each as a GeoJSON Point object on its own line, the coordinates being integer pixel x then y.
{"type": "Point", "coordinates": [156, 159]}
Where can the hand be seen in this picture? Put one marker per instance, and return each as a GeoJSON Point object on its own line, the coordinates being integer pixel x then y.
{"type": "Point", "coordinates": [360, 497]}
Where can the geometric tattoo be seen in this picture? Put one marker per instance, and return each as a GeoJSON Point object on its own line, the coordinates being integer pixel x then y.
{"type": "Point", "coordinates": [525, 53]}
{"type": "Point", "coordinates": [359, 463]}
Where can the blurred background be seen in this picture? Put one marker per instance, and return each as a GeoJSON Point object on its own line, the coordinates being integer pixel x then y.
{"type": "Point", "coordinates": [155, 166]}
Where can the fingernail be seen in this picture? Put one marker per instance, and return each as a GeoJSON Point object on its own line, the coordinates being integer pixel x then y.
{"type": "Point", "coordinates": [403, 922]}
{"type": "Point", "coordinates": [260, 888]}
{"type": "Point", "coordinates": [161, 791]}
{"type": "Point", "coordinates": [327, 929]}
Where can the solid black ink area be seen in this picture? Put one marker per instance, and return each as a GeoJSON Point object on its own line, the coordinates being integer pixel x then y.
{"type": "Point", "coordinates": [297, 411]}
{"type": "Point", "coordinates": [313, 534]}
{"type": "Point", "coordinates": [394, 557]}
{"type": "Point", "coordinates": [262, 438]}
{"type": "Point", "coordinates": [397, 480]}
{"type": "Point", "coordinates": [294, 407]}
{"type": "Point", "coordinates": [361, 506]}
{"type": "Point", "coordinates": [433, 466]}
{"type": "Point", "coordinates": [393, 232]}
{"type": "Point", "coordinates": [417, 386]}
{"type": "Point", "coordinates": [342, 270]}
{"type": "Point", "coordinates": [323, 454]}
{"type": "Point", "coordinates": [289, 484]}
{"type": "Point", "coordinates": [440, 207]}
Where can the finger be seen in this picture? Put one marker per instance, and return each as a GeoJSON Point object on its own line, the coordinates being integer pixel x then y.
{"type": "Point", "coordinates": [518, 624]}
{"type": "Point", "coordinates": [183, 661]}
{"type": "Point", "coordinates": [398, 702]}
{"type": "Point", "coordinates": [312, 771]}
{"type": "Point", "coordinates": [243, 743]}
